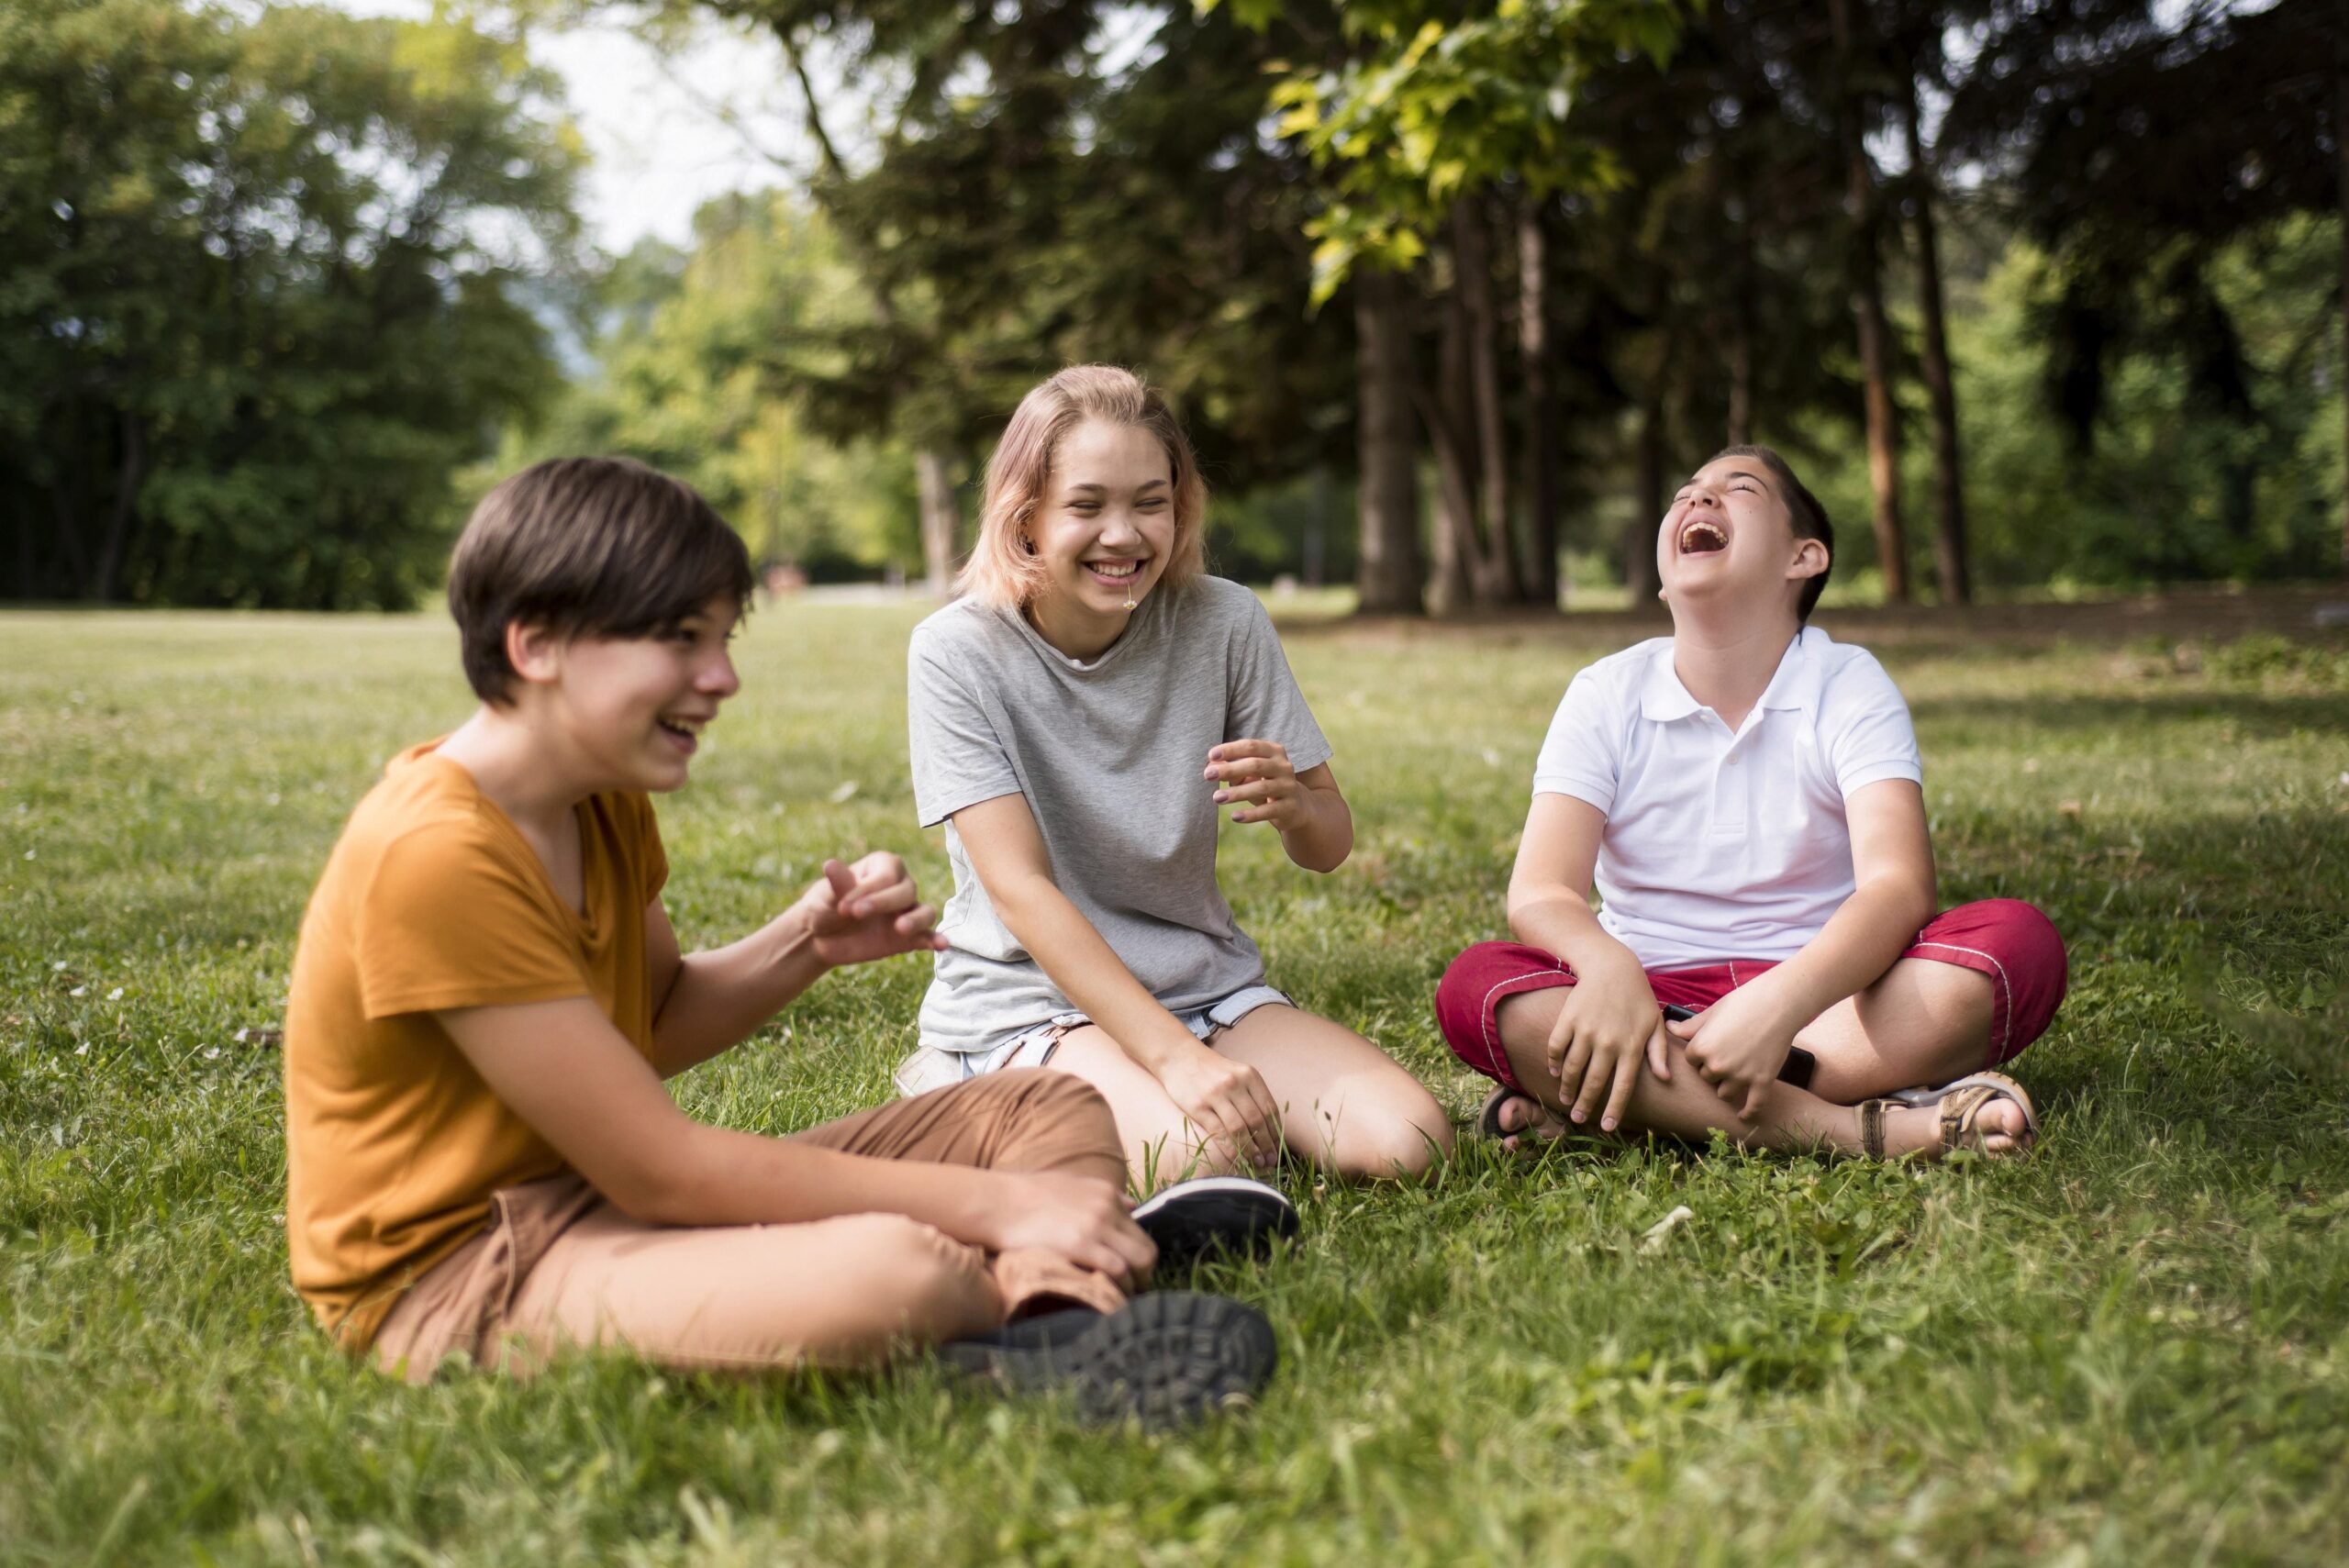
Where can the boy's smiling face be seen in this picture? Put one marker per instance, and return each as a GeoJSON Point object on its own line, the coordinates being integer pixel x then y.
{"type": "Point", "coordinates": [1729, 540]}
{"type": "Point", "coordinates": [629, 710]}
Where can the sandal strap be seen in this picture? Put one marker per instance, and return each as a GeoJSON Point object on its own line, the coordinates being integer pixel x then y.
{"type": "Point", "coordinates": [1872, 1127]}
{"type": "Point", "coordinates": [1959, 1112]}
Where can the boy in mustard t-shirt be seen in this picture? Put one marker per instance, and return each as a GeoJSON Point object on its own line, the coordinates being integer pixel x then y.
{"type": "Point", "coordinates": [480, 1154]}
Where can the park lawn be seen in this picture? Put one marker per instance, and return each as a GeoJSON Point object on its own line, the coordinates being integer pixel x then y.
{"type": "Point", "coordinates": [2133, 1348]}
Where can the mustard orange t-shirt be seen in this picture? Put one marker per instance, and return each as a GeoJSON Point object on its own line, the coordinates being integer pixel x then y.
{"type": "Point", "coordinates": [433, 900]}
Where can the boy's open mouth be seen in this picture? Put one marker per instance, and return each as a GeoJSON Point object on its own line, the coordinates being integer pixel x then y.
{"type": "Point", "coordinates": [1701, 536]}
{"type": "Point", "coordinates": [686, 731]}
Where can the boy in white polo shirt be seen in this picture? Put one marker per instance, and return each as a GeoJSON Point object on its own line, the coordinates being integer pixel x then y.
{"type": "Point", "coordinates": [1767, 960]}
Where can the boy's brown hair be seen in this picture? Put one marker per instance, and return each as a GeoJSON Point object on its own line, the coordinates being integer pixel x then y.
{"type": "Point", "coordinates": [1810, 520]}
{"type": "Point", "coordinates": [586, 546]}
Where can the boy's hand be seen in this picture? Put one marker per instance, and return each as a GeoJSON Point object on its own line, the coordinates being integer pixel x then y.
{"type": "Point", "coordinates": [868, 911]}
{"type": "Point", "coordinates": [1079, 1218]}
{"type": "Point", "coordinates": [1608, 1021]}
{"type": "Point", "coordinates": [1258, 774]}
{"type": "Point", "coordinates": [1737, 1044]}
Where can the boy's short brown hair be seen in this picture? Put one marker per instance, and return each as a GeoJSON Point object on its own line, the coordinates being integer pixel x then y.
{"type": "Point", "coordinates": [1810, 520]}
{"type": "Point", "coordinates": [586, 546]}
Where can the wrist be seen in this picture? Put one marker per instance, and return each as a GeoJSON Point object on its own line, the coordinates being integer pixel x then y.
{"type": "Point", "coordinates": [792, 941]}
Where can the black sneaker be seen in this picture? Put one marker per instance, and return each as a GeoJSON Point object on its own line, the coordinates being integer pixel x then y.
{"type": "Point", "coordinates": [1231, 1215]}
{"type": "Point", "coordinates": [1161, 1359]}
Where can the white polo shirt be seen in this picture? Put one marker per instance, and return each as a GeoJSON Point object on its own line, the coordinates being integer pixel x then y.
{"type": "Point", "coordinates": [1720, 845]}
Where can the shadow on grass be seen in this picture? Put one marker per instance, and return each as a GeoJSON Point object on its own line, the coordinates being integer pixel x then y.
{"type": "Point", "coordinates": [2265, 717]}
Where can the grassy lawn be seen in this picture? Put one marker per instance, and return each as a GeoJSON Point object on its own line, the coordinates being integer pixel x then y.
{"type": "Point", "coordinates": [2132, 1349]}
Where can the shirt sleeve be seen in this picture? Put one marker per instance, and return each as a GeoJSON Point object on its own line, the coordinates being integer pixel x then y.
{"type": "Point", "coordinates": [958, 758]}
{"type": "Point", "coordinates": [1582, 754]}
{"type": "Point", "coordinates": [451, 920]}
{"type": "Point", "coordinates": [1263, 701]}
{"type": "Point", "coordinates": [1866, 730]}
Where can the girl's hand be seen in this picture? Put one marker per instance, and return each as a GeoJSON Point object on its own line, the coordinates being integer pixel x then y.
{"type": "Point", "coordinates": [1610, 1020]}
{"type": "Point", "coordinates": [1079, 1218]}
{"type": "Point", "coordinates": [1737, 1044]}
{"type": "Point", "coordinates": [1258, 774]}
{"type": "Point", "coordinates": [868, 911]}
{"type": "Point", "coordinates": [1229, 1103]}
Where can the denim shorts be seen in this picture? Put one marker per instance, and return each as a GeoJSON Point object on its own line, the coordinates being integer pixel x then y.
{"type": "Point", "coordinates": [932, 1068]}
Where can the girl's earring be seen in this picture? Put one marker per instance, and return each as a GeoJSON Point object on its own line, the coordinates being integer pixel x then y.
{"type": "Point", "coordinates": [1026, 544]}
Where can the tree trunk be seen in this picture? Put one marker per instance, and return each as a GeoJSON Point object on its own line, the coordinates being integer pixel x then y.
{"type": "Point", "coordinates": [131, 472]}
{"type": "Point", "coordinates": [1390, 575]}
{"type": "Point", "coordinates": [1741, 327]}
{"type": "Point", "coordinates": [941, 520]}
{"type": "Point", "coordinates": [1495, 567]}
{"type": "Point", "coordinates": [1542, 502]}
{"type": "Point", "coordinates": [1949, 478]}
{"type": "Point", "coordinates": [2341, 152]}
{"type": "Point", "coordinates": [1867, 309]}
{"type": "Point", "coordinates": [1647, 504]}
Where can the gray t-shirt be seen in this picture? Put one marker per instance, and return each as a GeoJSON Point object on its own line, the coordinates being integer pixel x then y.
{"type": "Point", "coordinates": [1111, 755]}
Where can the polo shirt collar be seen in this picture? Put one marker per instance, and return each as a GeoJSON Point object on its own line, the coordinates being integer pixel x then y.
{"type": "Point", "coordinates": [1794, 684]}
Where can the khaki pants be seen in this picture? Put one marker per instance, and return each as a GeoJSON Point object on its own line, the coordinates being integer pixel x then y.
{"type": "Point", "coordinates": [558, 1265]}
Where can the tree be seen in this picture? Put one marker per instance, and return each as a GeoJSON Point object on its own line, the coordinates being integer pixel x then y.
{"type": "Point", "coordinates": [2140, 143]}
{"type": "Point", "coordinates": [259, 293]}
{"type": "Point", "coordinates": [685, 381]}
{"type": "Point", "coordinates": [1434, 120]}
{"type": "Point", "coordinates": [1035, 196]}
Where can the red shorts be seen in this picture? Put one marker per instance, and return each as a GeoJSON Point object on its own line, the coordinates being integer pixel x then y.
{"type": "Point", "coordinates": [2005, 938]}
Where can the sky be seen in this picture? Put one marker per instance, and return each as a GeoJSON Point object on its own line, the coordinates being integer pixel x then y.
{"type": "Point", "coordinates": [661, 148]}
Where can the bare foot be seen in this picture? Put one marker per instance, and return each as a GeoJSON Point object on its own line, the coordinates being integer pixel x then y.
{"type": "Point", "coordinates": [1524, 1115]}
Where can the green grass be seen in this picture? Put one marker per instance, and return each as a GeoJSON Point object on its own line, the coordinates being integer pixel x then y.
{"type": "Point", "coordinates": [2131, 1349]}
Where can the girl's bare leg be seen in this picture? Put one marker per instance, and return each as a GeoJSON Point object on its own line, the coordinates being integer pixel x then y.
{"type": "Point", "coordinates": [1161, 1145]}
{"type": "Point", "coordinates": [1345, 1105]}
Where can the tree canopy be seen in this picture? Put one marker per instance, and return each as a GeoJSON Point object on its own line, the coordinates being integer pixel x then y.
{"type": "Point", "coordinates": [263, 287]}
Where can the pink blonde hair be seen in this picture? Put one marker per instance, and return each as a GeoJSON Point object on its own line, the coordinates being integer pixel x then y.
{"type": "Point", "coordinates": [1002, 569]}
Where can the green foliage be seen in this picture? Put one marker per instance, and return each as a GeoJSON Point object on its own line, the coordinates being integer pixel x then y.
{"type": "Point", "coordinates": [1440, 102]}
{"type": "Point", "coordinates": [259, 293]}
{"type": "Point", "coordinates": [695, 372]}
{"type": "Point", "coordinates": [2132, 1349]}
{"type": "Point", "coordinates": [2170, 485]}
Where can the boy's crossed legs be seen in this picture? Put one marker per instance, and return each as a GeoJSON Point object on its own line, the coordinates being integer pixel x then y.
{"type": "Point", "coordinates": [1980, 984]}
{"type": "Point", "coordinates": [560, 1265]}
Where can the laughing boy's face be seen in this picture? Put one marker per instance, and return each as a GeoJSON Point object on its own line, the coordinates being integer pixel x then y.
{"type": "Point", "coordinates": [1729, 537]}
{"type": "Point", "coordinates": [632, 709]}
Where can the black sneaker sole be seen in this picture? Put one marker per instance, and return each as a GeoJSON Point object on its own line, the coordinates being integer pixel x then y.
{"type": "Point", "coordinates": [1161, 1359]}
{"type": "Point", "coordinates": [1230, 1216]}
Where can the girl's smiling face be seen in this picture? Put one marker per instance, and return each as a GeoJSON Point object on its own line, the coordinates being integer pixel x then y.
{"type": "Point", "coordinates": [1729, 535]}
{"type": "Point", "coordinates": [1105, 524]}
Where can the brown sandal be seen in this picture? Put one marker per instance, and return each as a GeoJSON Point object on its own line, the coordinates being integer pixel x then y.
{"type": "Point", "coordinates": [1961, 1104]}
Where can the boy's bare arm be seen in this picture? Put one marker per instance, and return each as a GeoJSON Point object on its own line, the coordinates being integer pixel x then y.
{"type": "Point", "coordinates": [1609, 1018]}
{"type": "Point", "coordinates": [1740, 1044]}
{"type": "Point", "coordinates": [567, 1072]}
{"type": "Point", "coordinates": [1227, 1100]}
{"type": "Point", "coordinates": [706, 1002]}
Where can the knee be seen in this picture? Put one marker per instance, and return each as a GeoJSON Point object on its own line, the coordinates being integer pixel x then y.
{"type": "Point", "coordinates": [1460, 998]}
{"type": "Point", "coordinates": [915, 1280]}
{"type": "Point", "coordinates": [1062, 1099]}
{"type": "Point", "coordinates": [1398, 1135]}
{"type": "Point", "coordinates": [2039, 945]}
